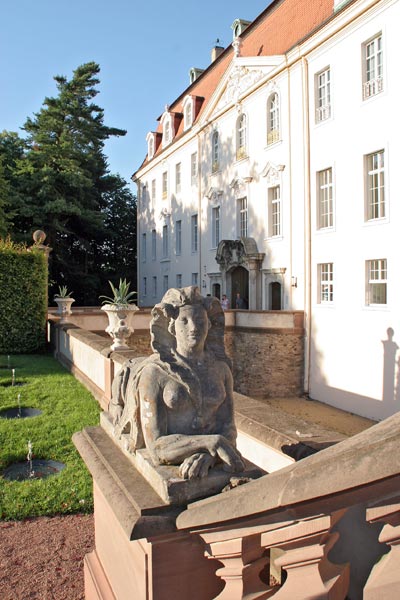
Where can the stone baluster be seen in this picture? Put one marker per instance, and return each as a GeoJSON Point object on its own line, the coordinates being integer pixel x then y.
{"type": "Point", "coordinates": [306, 545]}
{"type": "Point", "coordinates": [243, 559]}
{"type": "Point", "coordinates": [384, 580]}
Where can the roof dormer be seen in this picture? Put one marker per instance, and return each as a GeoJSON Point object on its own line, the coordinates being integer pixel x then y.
{"type": "Point", "coordinates": [153, 141]}
{"type": "Point", "coordinates": [170, 124]}
{"type": "Point", "coordinates": [191, 107]}
{"type": "Point", "coordinates": [194, 74]}
{"type": "Point", "coordinates": [238, 26]}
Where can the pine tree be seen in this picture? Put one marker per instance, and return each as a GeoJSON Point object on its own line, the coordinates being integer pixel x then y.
{"type": "Point", "coordinates": [66, 183]}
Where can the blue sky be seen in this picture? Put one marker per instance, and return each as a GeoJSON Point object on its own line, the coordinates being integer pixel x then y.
{"type": "Point", "coordinates": [144, 49]}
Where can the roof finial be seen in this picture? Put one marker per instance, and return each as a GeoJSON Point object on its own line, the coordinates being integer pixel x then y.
{"type": "Point", "coordinates": [236, 44]}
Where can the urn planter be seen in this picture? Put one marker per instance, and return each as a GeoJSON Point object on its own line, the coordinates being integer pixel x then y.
{"type": "Point", "coordinates": [64, 307]}
{"type": "Point", "coordinates": [120, 323]}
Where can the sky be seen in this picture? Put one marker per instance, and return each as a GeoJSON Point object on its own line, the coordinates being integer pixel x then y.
{"type": "Point", "coordinates": [145, 51]}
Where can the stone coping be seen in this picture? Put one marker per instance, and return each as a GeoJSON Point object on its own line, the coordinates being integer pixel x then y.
{"type": "Point", "coordinates": [139, 509]}
{"type": "Point", "coordinates": [361, 468]}
{"type": "Point", "coordinates": [289, 434]}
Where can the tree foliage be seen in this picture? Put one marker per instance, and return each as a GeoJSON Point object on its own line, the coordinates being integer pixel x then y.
{"type": "Point", "coordinates": [60, 182]}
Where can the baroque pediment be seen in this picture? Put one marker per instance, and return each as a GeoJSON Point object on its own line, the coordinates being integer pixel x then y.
{"type": "Point", "coordinates": [272, 173]}
{"type": "Point", "coordinates": [240, 79]}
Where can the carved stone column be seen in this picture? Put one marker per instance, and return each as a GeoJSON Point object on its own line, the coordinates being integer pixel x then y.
{"type": "Point", "coordinates": [384, 580]}
{"type": "Point", "coordinates": [306, 545]}
{"type": "Point", "coordinates": [243, 559]}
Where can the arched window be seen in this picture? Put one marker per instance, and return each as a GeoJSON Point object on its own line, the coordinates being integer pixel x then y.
{"type": "Point", "coordinates": [241, 137]}
{"type": "Point", "coordinates": [215, 151]}
{"type": "Point", "coordinates": [188, 115]}
{"type": "Point", "coordinates": [167, 133]}
{"type": "Point", "coordinates": [151, 148]}
{"type": "Point", "coordinates": [273, 124]}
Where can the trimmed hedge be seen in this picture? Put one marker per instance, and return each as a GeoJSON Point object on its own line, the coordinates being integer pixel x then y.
{"type": "Point", "coordinates": [23, 298]}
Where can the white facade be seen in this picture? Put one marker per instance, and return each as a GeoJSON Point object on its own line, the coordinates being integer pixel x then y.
{"type": "Point", "coordinates": [305, 173]}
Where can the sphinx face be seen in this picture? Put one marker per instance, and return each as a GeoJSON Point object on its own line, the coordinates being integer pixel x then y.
{"type": "Point", "coordinates": [191, 327]}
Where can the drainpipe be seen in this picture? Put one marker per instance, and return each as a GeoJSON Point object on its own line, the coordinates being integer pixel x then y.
{"type": "Point", "coordinates": [307, 224]}
{"type": "Point", "coordinates": [290, 194]}
{"type": "Point", "coordinates": [199, 218]}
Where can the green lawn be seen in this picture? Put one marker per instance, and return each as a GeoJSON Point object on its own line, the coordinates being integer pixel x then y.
{"type": "Point", "coordinates": [66, 407]}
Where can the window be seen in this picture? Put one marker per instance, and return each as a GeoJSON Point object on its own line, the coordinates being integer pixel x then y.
{"type": "Point", "coordinates": [193, 168]}
{"type": "Point", "coordinates": [372, 67]}
{"type": "Point", "coordinates": [165, 242]}
{"type": "Point", "coordinates": [178, 237]}
{"type": "Point", "coordinates": [273, 119]}
{"type": "Point", "coordinates": [188, 114]}
{"type": "Point", "coordinates": [179, 280]}
{"type": "Point", "coordinates": [195, 233]}
{"type": "Point", "coordinates": [324, 199]}
{"type": "Point", "coordinates": [151, 147]}
{"type": "Point", "coordinates": [375, 196]}
{"type": "Point", "coordinates": [165, 284]}
{"type": "Point", "coordinates": [323, 95]}
{"type": "Point", "coordinates": [325, 278]}
{"type": "Point", "coordinates": [215, 151]}
{"type": "Point", "coordinates": [164, 184]}
{"type": "Point", "coordinates": [178, 178]}
{"type": "Point", "coordinates": [154, 286]}
{"type": "Point", "coordinates": [167, 132]}
{"type": "Point", "coordinates": [376, 288]}
{"type": "Point", "coordinates": [153, 244]}
{"type": "Point", "coordinates": [195, 278]}
{"type": "Point", "coordinates": [242, 217]}
{"type": "Point", "coordinates": [153, 191]}
{"type": "Point", "coordinates": [274, 211]}
{"type": "Point", "coordinates": [215, 224]}
{"type": "Point", "coordinates": [241, 137]}
{"type": "Point", "coordinates": [144, 286]}
{"type": "Point", "coordinates": [144, 247]}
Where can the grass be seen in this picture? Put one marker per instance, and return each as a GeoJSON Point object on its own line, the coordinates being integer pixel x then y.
{"type": "Point", "coordinates": [66, 407]}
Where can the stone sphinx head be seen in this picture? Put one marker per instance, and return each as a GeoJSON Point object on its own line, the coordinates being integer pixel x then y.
{"type": "Point", "coordinates": [184, 318]}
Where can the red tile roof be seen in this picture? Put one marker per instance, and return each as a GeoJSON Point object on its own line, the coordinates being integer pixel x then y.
{"type": "Point", "coordinates": [277, 29]}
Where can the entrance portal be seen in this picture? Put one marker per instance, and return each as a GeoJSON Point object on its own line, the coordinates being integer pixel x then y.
{"type": "Point", "coordinates": [240, 284]}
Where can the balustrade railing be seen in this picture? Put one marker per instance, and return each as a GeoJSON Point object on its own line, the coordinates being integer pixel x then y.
{"type": "Point", "coordinates": [299, 510]}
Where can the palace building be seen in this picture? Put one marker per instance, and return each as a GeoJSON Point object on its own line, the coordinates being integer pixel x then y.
{"type": "Point", "coordinates": [274, 174]}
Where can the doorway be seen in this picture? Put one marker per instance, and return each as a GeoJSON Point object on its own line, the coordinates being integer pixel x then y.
{"type": "Point", "coordinates": [275, 296]}
{"type": "Point", "coordinates": [216, 290]}
{"type": "Point", "coordinates": [240, 284]}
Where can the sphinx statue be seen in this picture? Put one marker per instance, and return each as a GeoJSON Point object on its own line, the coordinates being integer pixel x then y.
{"type": "Point", "coordinates": [178, 402]}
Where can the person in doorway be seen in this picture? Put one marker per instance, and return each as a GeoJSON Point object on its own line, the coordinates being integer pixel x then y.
{"type": "Point", "coordinates": [239, 302]}
{"type": "Point", "coordinates": [224, 302]}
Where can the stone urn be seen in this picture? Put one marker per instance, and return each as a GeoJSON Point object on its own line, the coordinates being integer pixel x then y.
{"type": "Point", "coordinates": [120, 323]}
{"type": "Point", "coordinates": [64, 307]}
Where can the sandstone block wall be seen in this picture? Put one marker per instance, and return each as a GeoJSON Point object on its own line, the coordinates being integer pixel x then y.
{"type": "Point", "coordinates": [266, 364]}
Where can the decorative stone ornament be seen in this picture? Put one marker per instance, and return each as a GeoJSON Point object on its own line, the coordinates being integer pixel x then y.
{"type": "Point", "coordinates": [64, 307]}
{"type": "Point", "coordinates": [120, 327]}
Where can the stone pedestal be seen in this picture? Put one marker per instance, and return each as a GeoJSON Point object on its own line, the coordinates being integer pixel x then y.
{"type": "Point", "coordinates": [165, 479]}
{"type": "Point", "coordinates": [138, 552]}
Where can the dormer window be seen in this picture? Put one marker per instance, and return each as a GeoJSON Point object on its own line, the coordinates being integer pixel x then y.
{"type": "Point", "coordinates": [238, 26]}
{"type": "Point", "coordinates": [194, 74]}
{"type": "Point", "coordinates": [167, 133]}
{"type": "Point", "coordinates": [150, 145]}
{"type": "Point", "coordinates": [188, 112]}
{"type": "Point", "coordinates": [153, 141]}
{"type": "Point", "coordinates": [167, 128]}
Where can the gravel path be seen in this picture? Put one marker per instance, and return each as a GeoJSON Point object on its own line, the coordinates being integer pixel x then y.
{"type": "Point", "coordinates": [42, 558]}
